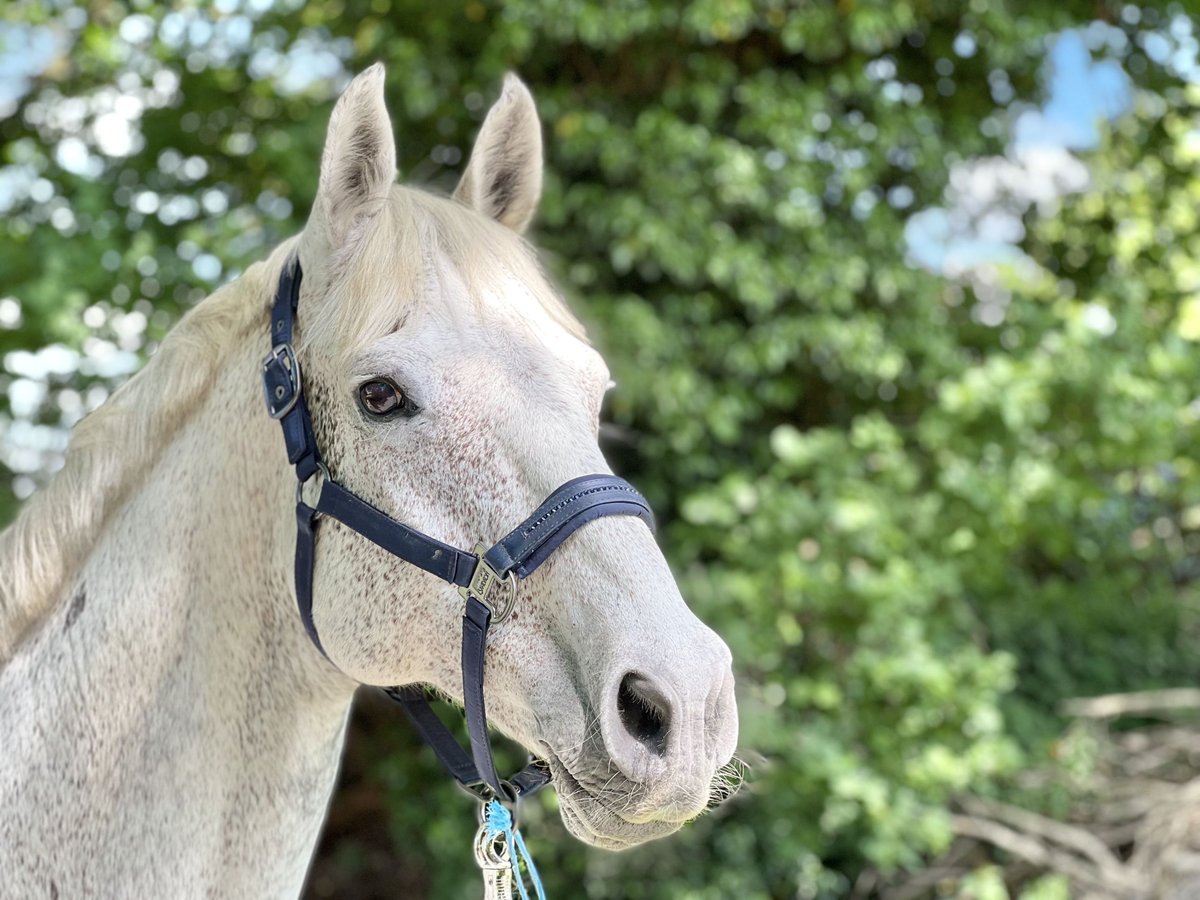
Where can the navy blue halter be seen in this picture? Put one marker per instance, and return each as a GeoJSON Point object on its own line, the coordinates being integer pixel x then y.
{"type": "Point", "coordinates": [486, 578]}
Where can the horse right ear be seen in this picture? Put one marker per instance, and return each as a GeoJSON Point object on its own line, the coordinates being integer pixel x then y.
{"type": "Point", "coordinates": [503, 179]}
{"type": "Point", "coordinates": [358, 164]}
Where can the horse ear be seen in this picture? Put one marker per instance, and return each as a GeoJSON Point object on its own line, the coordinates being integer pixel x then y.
{"type": "Point", "coordinates": [358, 165]}
{"type": "Point", "coordinates": [503, 180]}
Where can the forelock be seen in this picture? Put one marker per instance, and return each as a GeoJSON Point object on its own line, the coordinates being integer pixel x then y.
{"type": "Point", "coordinates": [374, 289]}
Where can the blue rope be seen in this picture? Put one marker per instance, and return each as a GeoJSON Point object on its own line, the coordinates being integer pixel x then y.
{"type": "Point", "coordinates": [499, 821]}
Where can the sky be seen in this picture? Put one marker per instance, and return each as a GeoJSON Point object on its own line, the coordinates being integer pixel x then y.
{"type": "Point", "coordinates": [25, 52]}
{"type": "Point", "coordinates": [981, 220]}
{"type": "Point", "coordinates": [976, 231]}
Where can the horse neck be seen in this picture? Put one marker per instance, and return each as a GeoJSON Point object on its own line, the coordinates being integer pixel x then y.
{"type": "Point", "coordinates": [177, 654]}
{"type": "Point", "coordinates": [210, 534]}
{"type": "Point", "coordinates": [206, 543]}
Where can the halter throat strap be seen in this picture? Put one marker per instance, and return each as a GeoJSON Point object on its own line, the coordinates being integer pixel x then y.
{"type": "Point", "coordinates": [486, 578]}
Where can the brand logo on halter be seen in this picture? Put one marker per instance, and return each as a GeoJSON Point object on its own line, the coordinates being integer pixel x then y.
{"type": "Point", "coordinates": [484, 582]}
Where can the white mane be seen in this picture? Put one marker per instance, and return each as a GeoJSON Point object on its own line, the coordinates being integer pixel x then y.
{"type": "Point", "coordinates": [115, 445]}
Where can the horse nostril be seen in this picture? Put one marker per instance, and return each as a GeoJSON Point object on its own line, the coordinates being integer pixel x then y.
{"type": "Point", "coordinates": [644, 712]}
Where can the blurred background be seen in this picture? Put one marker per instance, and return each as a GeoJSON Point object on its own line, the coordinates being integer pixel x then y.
{"type": "Point", "coordinates": [903, 302]}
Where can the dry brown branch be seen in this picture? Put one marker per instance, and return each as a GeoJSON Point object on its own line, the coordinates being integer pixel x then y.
{"type": "Point", "coordinates": [924, 882]}
{"type": "Point", "coordinates": [1119, 835]}
{"type": "Point", "coordinates": [1069, 836]}
{"type": "Point", "coordinates": [1110, 705]}
{"type": "Point", "coordinates": [1133, 820]}
{"type": "Point", "coordinates": [865, 884]}
{"type": "Point", "coordinates": [954, 863]}
{"type": "Point", "coordinates": [1122, 884]}
{"type": "Point", "coordinates": [1121, 806]}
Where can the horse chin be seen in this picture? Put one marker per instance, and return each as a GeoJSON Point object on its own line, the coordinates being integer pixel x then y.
{"type": "Point", "coordinates": [591, 821]}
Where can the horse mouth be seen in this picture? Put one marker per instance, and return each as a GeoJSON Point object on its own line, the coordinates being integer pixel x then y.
{"type": "Point", "coordinates": [605, 820]}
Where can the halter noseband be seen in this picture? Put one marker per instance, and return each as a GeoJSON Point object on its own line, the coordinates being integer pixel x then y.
{"type": "Point", "coordinates": [486, 578]}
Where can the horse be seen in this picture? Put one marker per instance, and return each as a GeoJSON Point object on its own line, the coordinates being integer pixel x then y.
{"type": "Point", "coordinates": [168, 727]}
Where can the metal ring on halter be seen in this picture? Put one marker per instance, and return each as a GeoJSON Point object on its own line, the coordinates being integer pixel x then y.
{"type": "Point", "coordinates": [485, 795]}
{"type": "Point", "coordinates": [323, 471]}
{"type": "Point", "coordinates": [495, 591]}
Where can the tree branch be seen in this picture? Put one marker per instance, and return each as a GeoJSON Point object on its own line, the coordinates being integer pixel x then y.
{"type": "Point", "coordinates": [1121, 884]}
{"type": "Point", "coordinates": [1109, 705]}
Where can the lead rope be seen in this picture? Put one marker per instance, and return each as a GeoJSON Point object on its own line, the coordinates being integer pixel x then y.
{"type": "Point", "coordinates": [495, 843]}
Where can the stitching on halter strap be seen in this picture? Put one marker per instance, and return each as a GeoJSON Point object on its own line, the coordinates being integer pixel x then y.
{"type": "Point", "coordinates": [550, 513]}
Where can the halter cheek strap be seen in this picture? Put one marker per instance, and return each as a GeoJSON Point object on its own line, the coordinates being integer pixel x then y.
{"type": "Point", "coordinates": [486, 579]}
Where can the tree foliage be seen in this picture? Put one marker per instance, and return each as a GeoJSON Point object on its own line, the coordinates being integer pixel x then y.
{"type": "Point", "coordinates": [918, 528]}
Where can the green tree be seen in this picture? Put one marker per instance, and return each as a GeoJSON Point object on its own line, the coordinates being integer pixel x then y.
{"type": "Point", "coordinates": [918, 531]}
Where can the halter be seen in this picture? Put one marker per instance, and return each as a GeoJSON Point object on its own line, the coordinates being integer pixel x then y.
{"type": "Point", "coordinates": [486, 578]}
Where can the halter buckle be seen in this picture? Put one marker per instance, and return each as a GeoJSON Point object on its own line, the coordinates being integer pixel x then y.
{"type": "Point", "coordinates": [281, 380]}
{"type": "Point", "coordinates": [498, 593]}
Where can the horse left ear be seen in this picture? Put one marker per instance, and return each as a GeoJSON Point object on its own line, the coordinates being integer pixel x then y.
{"type": "Point", "coordinates": [503, 180]}
{"type": "Point", "coordinates": [358, 164]}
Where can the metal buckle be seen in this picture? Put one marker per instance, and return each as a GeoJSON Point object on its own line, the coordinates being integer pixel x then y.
{"type": "Point", "coordinates": [486, 581]}
{"type": "Point", "coordinates": [285, 356]}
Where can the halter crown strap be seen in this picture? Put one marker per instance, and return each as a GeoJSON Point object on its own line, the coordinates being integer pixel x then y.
{"type": "Point", "coordinates": [486, 578]}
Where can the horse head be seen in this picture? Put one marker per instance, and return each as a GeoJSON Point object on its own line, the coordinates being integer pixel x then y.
{"type": "Point", "coordinates": [450, 387]}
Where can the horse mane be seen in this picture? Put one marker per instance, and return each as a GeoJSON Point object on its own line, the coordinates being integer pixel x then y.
{"type": "Point", "coordinates": [113, 447]}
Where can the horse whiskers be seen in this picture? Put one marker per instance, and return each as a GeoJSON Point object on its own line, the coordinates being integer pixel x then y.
{"type": "Point", "coordinates": [611, 789]}
{"type": "Point", "coordinates": [570, 755]}
{"type": "Point", "coordinates": [730, 779]}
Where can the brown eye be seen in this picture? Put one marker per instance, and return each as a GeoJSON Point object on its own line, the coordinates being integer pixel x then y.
{"type": "Point", "coordinates": [381, 398]}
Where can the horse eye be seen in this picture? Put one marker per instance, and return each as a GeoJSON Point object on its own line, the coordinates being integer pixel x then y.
{"type": "Point", "coordinates": [380, 398]}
